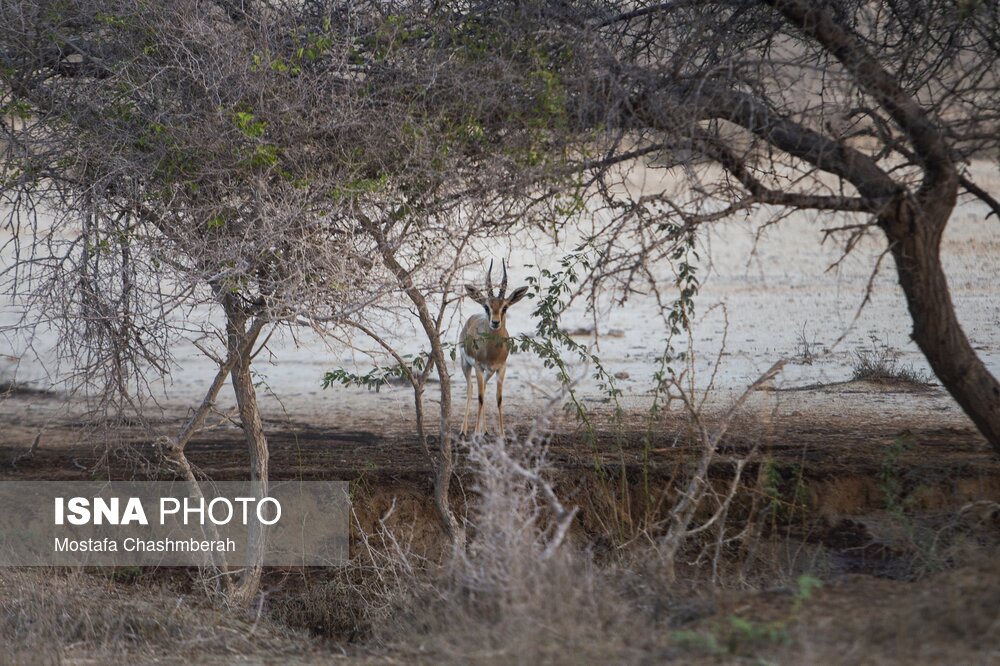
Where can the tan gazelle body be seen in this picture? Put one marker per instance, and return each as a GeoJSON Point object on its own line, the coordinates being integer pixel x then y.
{"type": "Point", "coordinates": [483, 347]}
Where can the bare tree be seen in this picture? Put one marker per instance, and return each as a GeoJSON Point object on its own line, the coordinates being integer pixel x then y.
{"type": "Point", "coordinates": [907, 92]}
{"type": "Point", "coordinates": [869, 110]}
{"type": "Point", "coordinates": [178, 176]}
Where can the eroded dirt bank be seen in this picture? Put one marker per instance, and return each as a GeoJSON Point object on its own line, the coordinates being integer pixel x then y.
{"type": "Point", "coordinates": [833, 470]}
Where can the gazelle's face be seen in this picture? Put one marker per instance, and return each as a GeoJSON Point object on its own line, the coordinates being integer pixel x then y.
{"type": "Point", "coordinates": [496, 312]}
{"type": "Point", "coordinates": [494, 306]}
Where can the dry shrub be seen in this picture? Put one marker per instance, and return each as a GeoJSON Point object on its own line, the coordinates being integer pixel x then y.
{"type": "Point", "coordinates": [521, 590]}
{"type": "Point", "coordinates": [51, 616]}
{"type": "Point", "coordinates": [516, 593]}
{"type": "Point", "coordinates": [346, 603]}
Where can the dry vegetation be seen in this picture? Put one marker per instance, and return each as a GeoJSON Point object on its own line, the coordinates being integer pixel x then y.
{"type": "Point", "coordinates": [878, 363]}
{"type": "Point", "coordinates": [57, 616]}
{"type": "Point", "coordinates": [568, 611]}
{"type": "Point", "coordinates": [913, 578]}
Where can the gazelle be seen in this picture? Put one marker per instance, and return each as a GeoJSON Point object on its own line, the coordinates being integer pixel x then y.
{"type": "Point", "coordinates": [483, 345]}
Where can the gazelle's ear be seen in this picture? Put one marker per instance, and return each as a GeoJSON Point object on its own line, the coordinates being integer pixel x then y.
{"type": "Point", "coordinates": [475, 294]}
{"type": "Point", "coordinates": [517, 295]}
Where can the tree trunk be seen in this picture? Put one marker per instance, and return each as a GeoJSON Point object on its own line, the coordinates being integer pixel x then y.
{"type": "Point", "coordinates": [914, 233]}
{"type": "Point", "coordinates": [444, 466]}
{"type": "Point", "coordinates": [240, 346]}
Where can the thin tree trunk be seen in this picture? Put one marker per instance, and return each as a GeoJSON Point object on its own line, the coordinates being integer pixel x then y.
{"type": "Point", "coordinates": [239, 344]}
{"type": "Point", "coordinates": [174, 451]}
{"type": "Point", "coordinates": [445, 464]}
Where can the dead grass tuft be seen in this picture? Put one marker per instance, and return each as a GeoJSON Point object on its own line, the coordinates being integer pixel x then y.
{"type": "Point", "coordinates": [878, 364]}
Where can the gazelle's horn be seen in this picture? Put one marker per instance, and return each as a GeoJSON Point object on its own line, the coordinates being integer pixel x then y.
{"type": "Point", "coordinates": [503, 284]}
{"type": "Point", "coordinates": [489, 280]}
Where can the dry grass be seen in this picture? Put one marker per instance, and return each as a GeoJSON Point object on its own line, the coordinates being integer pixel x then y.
{"type": "Point", "coordinates": [950, 618]}
{"type": "Point", "coordinates": [878, 364]}
{"type": "Point", "coordinates": [54, 616]}
{"type": "Point", "coordinates": [516, 594]}
{"type": "Point", "coordinates": [504, 605]}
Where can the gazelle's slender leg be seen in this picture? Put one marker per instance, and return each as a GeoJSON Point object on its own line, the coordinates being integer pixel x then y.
{"type": "Point", "coordinates": [468, 396]}
{"type": "Point", "coordinates": [500, 375]}
{"type": "Point", "coordinates": [481, 382]}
